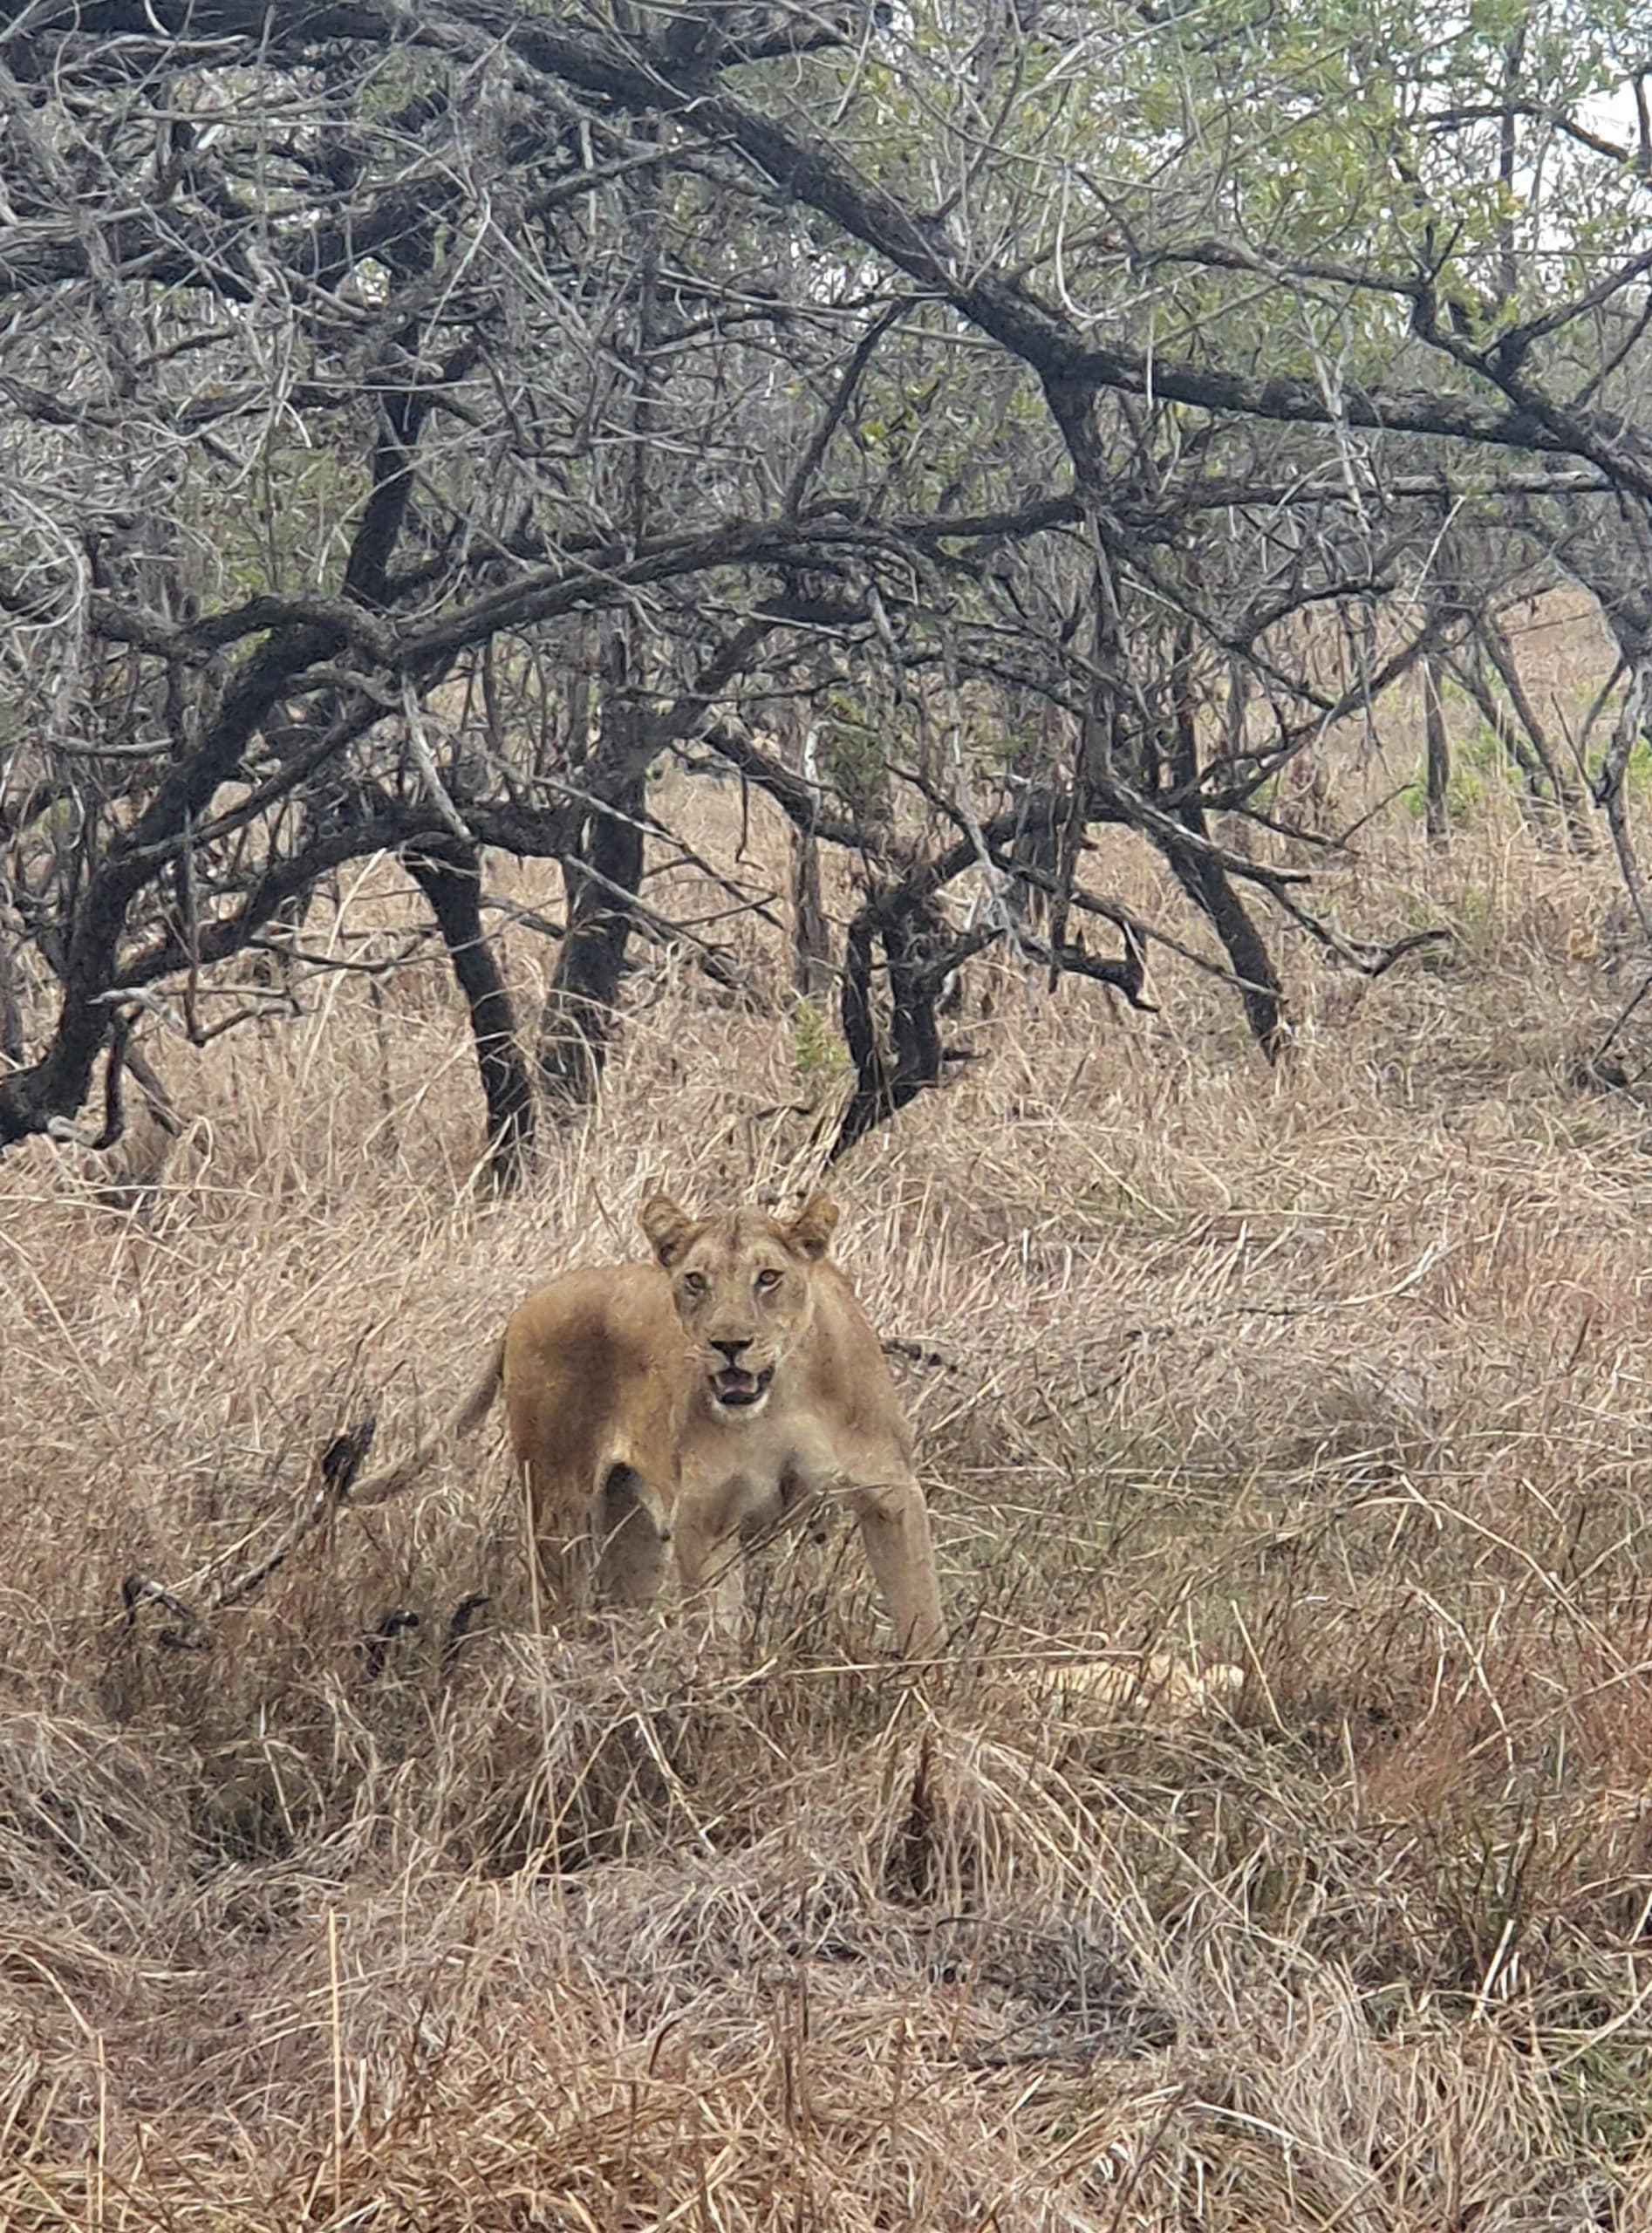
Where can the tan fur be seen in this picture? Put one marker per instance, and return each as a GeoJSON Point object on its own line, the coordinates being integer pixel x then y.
{"type": "Point", "coordinates": [1171, 1687]}
{"type": "Point", "coordinates": [701, 1398]}
{"type": "Point", "coordinates": [752, 1290]}
{"type": "Point", "coordinates": [594, 1395]}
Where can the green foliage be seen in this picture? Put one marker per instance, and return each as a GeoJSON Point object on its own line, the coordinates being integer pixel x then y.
{"type": "Point", "coordinates": [284, 534]}
{"type": "Point", "coordinates": [401, 77]}
{"type": "Point", "coordinates": [1476, 915]}
{"type": "Point", "coordinates": [852, 756]}
{"type": "Point", "coordinates": [1467, 792]}
{"type": "Point", "coordinates": [1606, 2094]}
{"type": "Point", "coordinates": [1481, 771]}
{"type": "Point", "coordinates": [819, 1056]}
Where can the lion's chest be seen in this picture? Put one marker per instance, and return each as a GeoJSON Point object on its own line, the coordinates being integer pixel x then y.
{"type": "Point", "coordinates": [748, 1474]}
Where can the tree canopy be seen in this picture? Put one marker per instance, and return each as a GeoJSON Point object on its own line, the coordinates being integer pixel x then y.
{"type": "Point", "coordinates": [421, 422]}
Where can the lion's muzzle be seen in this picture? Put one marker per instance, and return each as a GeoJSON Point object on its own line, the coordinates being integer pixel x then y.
{"type": "Point", "coordinates": [736, 1388]}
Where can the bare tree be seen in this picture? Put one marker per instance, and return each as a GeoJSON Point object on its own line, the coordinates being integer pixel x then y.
{"type": "Point", "coordinates": [610, 376]}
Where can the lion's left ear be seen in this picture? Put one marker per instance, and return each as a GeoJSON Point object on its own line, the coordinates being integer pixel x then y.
{"type": "Point", "coordinates": [669, 1228]}
{"type": "Point", "coordinates": [810, 1230]}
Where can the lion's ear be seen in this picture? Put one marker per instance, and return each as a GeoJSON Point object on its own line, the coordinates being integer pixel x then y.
{"type": "Point", "coordinates": [669, 1228]}
{"type": "Point", "coordinates": [810, 1230]}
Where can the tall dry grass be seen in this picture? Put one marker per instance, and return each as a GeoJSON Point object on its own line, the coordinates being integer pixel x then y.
{"type": "Point", "coordinates": [1341, 1375]}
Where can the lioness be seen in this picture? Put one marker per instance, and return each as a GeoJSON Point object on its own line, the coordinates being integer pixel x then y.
{"type": "Point", "coordinates": [697, 1399]}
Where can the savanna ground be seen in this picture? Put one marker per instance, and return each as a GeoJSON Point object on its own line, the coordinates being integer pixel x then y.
{"type": "Point", "coordinates": [1340, 1374]}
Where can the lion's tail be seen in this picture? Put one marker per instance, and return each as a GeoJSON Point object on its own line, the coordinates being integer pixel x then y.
{"type": "Point", "coordinates": [464, 1421]}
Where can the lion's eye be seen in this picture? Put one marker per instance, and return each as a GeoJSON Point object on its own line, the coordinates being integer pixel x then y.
{"type": "Point", "coordinates": [693, 1283]}
{"type": "Point", "coordinates": [767, 1279]}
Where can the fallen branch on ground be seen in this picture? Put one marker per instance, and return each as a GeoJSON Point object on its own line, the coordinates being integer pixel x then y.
{"type": "Point", "coordinates": [340, 1463]}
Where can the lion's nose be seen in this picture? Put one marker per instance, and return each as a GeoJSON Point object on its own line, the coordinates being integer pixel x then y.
{"type": "Point", "coordinates": [732, 1349]}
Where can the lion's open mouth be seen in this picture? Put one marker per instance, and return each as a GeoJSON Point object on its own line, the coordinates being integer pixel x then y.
{"type": "Point", "coordinates": [736, 1388]}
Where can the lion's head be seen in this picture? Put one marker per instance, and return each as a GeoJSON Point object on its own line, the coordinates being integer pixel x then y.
{"type": "Point", "coordinates": [743, 1284]}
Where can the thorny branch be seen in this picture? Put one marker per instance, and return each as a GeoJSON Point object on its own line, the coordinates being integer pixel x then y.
{"type": "Point", "coordinates": [332, 413]}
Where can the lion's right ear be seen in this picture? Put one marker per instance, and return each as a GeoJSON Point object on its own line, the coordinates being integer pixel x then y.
{"type": "Point", "coordinates": [669, 1228]}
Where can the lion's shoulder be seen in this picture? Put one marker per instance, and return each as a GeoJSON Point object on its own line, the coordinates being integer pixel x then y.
{"type": "Point", "coordinates": [627, 1306]}
{"type": "Point", "coordinates": [847, 1381]}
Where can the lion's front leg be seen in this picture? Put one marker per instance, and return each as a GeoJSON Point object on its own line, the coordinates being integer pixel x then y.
{"type": "Point", "coordinates": [710, 1561]}
{"type": "Point", "coordinates": [894, 1527]}
{"type": "Point", "coordinates": [631, 1548]}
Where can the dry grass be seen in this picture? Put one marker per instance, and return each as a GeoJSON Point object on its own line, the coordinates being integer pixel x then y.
{"type": "Point", "coordinates": [1341, 1376]}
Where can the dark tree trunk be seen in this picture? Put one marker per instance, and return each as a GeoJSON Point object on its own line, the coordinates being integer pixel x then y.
{"type": "Point", "coordinates": [881, 1086]}
{"type": "Point", "coordinates": [602, 880]}
{"type": "Point", "coordinates": [906, 923]}
{"type": "Point", "coordinates": [1439, 751]}
{"type": "Point", "coordinates": [576, 743]}
{"type": "Point", "coordinates": [604, 874]}
{"type": "Point", "coordinates": [603, 877]}
{"type": "Point", "coordinates": [1206, 882]}
{"type": "Point", "coordinates": [448, 873]}
{"type": "Point", "coordinates": [1038, 846]}
{"type": "Point", "coordinates": [1536, 801]}
{"type": "Point", "coordinates": [920, 956]}
{"type": "Point", "coordinates": [1567, 797]}
{"type": "Point", "coordinates": [811, 941]}
{"type": "Point", "coordinates": [11, 1038]}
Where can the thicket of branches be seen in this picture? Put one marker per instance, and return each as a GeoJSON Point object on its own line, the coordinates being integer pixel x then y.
{"type": "Point", "coordinates": [971, 423]}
